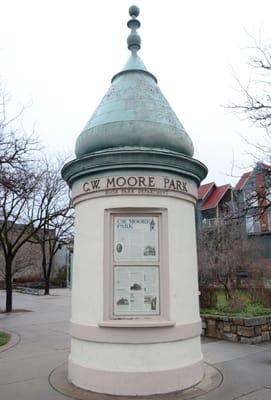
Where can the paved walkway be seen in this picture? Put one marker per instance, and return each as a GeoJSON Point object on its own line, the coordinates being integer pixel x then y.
{"type": "Point", "coordinates": [43, 344]}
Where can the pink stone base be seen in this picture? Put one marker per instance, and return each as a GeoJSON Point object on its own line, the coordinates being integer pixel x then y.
{"type": "Point", "coordinates": [135, 383]}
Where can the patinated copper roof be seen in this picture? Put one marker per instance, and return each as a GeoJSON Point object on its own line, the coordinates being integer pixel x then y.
{"type": "Point", "coordinates": [134, 111]}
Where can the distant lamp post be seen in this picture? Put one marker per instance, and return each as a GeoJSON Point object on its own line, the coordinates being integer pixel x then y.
{"type": "Point", "coordinates": [69, 254]}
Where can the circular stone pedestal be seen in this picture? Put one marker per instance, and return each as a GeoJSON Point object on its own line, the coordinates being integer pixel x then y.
{"type": "Point", "coordinates": [58, 380]}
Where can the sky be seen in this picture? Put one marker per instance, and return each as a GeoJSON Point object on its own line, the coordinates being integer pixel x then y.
{"type": "Point", "coordinates": [57, 58]}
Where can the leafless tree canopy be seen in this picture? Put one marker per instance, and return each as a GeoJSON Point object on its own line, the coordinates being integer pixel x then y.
{"type": "Point", "coordinates": [56, 215]}
{"type": "Point", "coordinates": [222, 253]}
{"type": "Point", "coordinates": [34, 201]}
{"type": "Point", "coordinates": [255, 103]}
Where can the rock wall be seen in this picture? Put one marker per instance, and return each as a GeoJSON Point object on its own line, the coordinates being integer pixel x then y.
{"type": "Point", "coordinates": [249, 330]}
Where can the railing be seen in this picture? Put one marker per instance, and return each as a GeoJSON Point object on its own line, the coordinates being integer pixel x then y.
{"type": "Point", "coordinates": [209, 222]}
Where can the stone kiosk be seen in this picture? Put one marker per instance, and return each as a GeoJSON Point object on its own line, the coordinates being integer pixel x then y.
{"type": "Point", "coordinates": [135, 323]}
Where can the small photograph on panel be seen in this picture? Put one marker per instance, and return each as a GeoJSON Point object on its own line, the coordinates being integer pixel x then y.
{"type": "Point", "coordinates": [136, 286]}
{"type": "Point", "coordinates": [152, 300]}
{"type": "Point", "coordinates": [123, 301]}
{"type": "Point", "coordinates": [149, 251]}
{"type": "Point", "coordinates": [119, 247]}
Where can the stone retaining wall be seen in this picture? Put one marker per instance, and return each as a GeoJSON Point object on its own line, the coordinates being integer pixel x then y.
{"type": "Point", "coordinates": [250, 330]}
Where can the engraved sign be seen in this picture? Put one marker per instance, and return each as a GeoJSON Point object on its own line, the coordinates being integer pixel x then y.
{"type": "Point", "coordinates": [136, 290]}
{"type": "Point", "coordinates": [146, 185]}
{"type": "Point", "coordinates": [119, 182]}
{"type": "Point", "coordinates": [136, 238]}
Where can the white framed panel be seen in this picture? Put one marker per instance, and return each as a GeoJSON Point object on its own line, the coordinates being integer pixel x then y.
{"type": "Point", "coordinates": [136, 290]}
{"type": "Point", "coordinates": [136, 238]}
{"type": "Point", "coordinates": [136, 275]}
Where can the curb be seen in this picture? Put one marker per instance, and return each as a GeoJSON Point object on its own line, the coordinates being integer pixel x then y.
{"type": "Point", "coordinates": [14, 339]}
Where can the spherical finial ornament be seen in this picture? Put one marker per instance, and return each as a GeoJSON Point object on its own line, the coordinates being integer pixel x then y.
{"type": "Point", "coordinates": [134, 41]}
{"type": "Point", "coordinates": [134, 11]}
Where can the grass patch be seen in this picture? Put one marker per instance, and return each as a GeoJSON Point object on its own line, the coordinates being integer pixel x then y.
{"type": "Point", "coordinates": [4, 338]}
{"type": "Point", "coordinates": [248, 309]}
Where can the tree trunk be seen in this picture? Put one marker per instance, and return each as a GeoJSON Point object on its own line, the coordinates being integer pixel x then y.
{"type": "Point", "coordinates": [47, 286]}
{"type": "Point", "coordinates": [8, 278]}
{"type": "Point", "coordinates": [47, 275]}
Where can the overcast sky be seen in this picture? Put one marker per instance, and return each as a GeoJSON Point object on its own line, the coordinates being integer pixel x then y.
{"type": "Point", "coordinates": [57, 57]}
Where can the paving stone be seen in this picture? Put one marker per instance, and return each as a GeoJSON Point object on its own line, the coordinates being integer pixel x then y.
{"type": "Point", "coordinates": [265, 336]}
{"type": "Point", "coordinates": [245, 331]}
{"type": "Point", "coordinates": [252, 340]}
{"type": "Point", "coordinates": [255, 321]}
{"type": "Point", "coordinates": [245, 368]}
{"type": "Point", "coordinates": [238, 321]}
{"type": "Point", "coordinates": [227, 327]}
{"type": "Point", "coordinates": [258, 330]}
{"type": "Point", "coordinates": [232, 337]}
{"type": "Point", "coordinates": [261, 394]}
{"type": "Point", "coordinates": [224, 318]}
{"type": "Point", "coordinates": [212, 329]}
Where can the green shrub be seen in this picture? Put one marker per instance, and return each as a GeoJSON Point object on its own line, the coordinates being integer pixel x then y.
{"type": "Point", "coordinates": [242, 305]}
{"type": "Point", "coordinates": [236, 305]}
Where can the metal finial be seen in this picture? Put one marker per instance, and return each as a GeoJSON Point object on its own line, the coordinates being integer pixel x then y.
{"type": "Point", "coordinates": [133, 40]}
{"type": "Point", "coordinates": [134, 11]}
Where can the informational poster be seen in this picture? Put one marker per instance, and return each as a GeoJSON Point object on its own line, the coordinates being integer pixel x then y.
{"type": "Point", "coordinates": [136, 290]}
{"type": "Point", "coordinates": [136, 238]}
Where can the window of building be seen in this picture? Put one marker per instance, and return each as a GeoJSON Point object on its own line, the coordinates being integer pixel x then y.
{"type": "Point", "coordinates": [252, 224]}
{"type": "Point", "coordinates": [251, 198]}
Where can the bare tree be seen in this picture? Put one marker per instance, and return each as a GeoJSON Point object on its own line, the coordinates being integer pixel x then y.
{"type": "Point", "coordinates": [15, 147]}
{"type": "Point", "coordinates": [19, 217]}
{"type": "Point", "coordinates": [56, 217]}
{"type": "Point", "coordinates": [222, 253]}
{"type": "Point", "coordinates": [18, 187]}
{"type": "Point", "coordinates": [255, 103]}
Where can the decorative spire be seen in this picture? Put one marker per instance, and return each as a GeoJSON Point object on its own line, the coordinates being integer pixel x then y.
{"type": "Point", "coordinates": [133, 40]}
{"type": "Point", "coordinates": [134, 62]}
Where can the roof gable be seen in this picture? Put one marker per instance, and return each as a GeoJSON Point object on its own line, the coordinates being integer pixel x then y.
{"type": "Point", "coordinates": [215, 197]}
{"type": "Point", "coordinates": [205, 189]}
{"type": "Point", "coordinates": [242, 181]}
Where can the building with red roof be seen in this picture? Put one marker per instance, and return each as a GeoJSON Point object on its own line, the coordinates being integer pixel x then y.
{"type": "Point", "coordinates": [214, 202]}
{"type": "Point", "coordinates": [242, 181]}
{"type": "Point", "coordinates": [254, 197]}
{"type": "Point", "coordinates": [250, 200]}
{"type": "Point", "coordinates": [204, 190]}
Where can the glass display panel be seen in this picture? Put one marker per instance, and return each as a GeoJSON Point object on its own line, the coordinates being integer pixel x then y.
{"type": "Point", "coordinates": [136, 290]}
{"type": "Point", "coordinates": [136, 238]}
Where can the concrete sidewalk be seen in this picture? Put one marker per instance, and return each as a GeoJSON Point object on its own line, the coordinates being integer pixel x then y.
{"type": "Point", "coordinates": [43, 344]}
